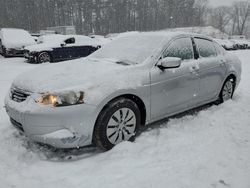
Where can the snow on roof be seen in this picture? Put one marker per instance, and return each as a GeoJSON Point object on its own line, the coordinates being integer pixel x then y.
{"type": "Point", "coordinates": [208, 30]}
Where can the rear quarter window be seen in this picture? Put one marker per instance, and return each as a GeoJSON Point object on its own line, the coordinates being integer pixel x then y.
{"type": "Point", "coordinates": [220, 50]}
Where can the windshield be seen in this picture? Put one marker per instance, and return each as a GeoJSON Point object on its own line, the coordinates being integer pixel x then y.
{"type": "Point", "coordinates": [132, 49]}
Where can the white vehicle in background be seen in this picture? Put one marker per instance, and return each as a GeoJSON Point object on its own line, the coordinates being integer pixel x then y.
{"type": "Point", "coordinates": [240, 44]}
{"type": "Point", "coordinates": [13, 41]}
{"type": "Point", "coordinates": [226, 44]}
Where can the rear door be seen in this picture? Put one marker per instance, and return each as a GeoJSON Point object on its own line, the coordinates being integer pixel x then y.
{"type": "Point", "coordinates": [211, 69]}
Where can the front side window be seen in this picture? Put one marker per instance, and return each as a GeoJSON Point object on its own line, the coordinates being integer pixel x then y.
{"type": "Point", "coordinates": [181, 48]}
{"type": "Point", "coordinates": [205, 48]}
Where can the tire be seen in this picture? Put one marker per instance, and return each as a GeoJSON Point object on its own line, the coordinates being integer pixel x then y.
{"type": "Point", "coordinates": [119, 121]}
{"type": "Point", "coordinates": [4, 52]}
{"type": "Point", "coordinates": [44, 57]}
{"type": "Point", "coordinates": [227, 90]}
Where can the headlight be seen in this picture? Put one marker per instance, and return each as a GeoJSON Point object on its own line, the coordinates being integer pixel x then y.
{"type": "Point", "coordinates": [62, 99]}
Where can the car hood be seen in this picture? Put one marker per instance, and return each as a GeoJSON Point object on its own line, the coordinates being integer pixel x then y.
{"type": "Point", "coordinates": [80, 75]}
{"type": "Point", "coordinates": [42, 47]}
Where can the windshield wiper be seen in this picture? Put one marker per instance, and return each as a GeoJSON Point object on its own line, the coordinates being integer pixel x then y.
{"type": "Point", "coordinates": [125, 62]}
{"type": "Point", "coordinates": [122, 63]}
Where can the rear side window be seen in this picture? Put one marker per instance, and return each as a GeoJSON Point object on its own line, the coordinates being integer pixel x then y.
{"type": "Point", "coordinates": [181, 48]}
{"type": "Point", "coordinates": [220, 50]}
{"type": "Point", "coordinates": [205, 47]}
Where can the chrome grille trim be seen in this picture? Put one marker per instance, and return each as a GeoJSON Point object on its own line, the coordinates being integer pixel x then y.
{"type": "Point", "coordinates": [18, 95]}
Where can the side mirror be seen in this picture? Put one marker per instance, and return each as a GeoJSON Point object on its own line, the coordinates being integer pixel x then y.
{"type": "Point", "coordinates": [63, 44]}
{"type": "Point", "coordinates": [70, 41]}
{"type": "Point", "coordinates": [169, 63]}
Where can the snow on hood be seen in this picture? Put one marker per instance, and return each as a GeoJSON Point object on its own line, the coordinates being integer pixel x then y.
{"type": "Point", "coordinates": [42, 47]}
{"type": "Point", "coordinates": [16, 38]}
{"type": "Point", "coordinates": [81, 74]}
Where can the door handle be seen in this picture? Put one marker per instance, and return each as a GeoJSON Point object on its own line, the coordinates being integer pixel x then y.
{"type": "Point", "coordinates": [223, 61]}
{"type": "Point", "coordinates": [194, 70]}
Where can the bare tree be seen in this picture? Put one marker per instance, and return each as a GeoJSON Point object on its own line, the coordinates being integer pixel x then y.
{"type": "Point", "coordinates": [220, 18]}
{"type": "Point", "coordinates": [200, 12]}
{"type": "Point", "coordinates": [240, 15]}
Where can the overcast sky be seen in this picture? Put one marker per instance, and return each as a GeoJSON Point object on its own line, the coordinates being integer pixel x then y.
{"type": "Point", "coordinates": [221, 2]}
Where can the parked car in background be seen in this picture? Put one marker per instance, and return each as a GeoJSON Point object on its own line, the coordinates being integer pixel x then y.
{"type": "Point", "coordinates": [248, 43]}
{"type": "Point", "coordinates": [135, 80]}
{"type": "Point", "coordinates": [240, 44]}
{"type": "Point", "coordinates": [55, 48]}
{"type": "Point", "coordinates": [226, 44]}
{"type": "Point", "coordinates": [13, 41]}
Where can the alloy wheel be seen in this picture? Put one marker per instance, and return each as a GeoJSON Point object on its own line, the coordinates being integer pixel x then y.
{"type": "Point", "coordinates": [121, 126]}
{"type": "Point", "coordinates": [227, 91]}
{"type": "Point", "coordinates": [44, 57]}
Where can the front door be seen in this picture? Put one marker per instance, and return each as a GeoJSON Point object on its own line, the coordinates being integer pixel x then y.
{"type": "Point", "coordinates": [174, 90]}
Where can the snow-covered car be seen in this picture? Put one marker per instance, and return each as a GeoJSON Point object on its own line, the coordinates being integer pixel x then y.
{"type": "Point", "coordinates": [55, 48]}
{"type": "Point", "coordinates": [240, 44]}
{"type": "Point", "coordinates": [12, 41]}
{"type": "Point", "coordinates": [226, 44]}
{"type": "Point", "coordinates": [135, 80]}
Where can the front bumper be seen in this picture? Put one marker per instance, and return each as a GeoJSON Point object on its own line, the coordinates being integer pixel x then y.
{"type": "Point", "coordinates": [61, 127]}
{"type": "Point", "coordinates": [15, 52]}
{"type": "Point", "coordinates": [31, 58]}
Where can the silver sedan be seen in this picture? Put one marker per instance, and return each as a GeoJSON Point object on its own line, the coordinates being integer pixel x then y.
{"type": "Point", "coordinates": [107, 97]}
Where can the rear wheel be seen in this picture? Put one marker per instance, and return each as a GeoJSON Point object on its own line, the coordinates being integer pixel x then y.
{"type": "Point", "coordinates": [227, 90]}
{"type": "Point", "coordinates": [4, 54]}
{"type": "Point", "coordinates": [44, 57]}
{"type": "Point", "coordinates": [118, 122]}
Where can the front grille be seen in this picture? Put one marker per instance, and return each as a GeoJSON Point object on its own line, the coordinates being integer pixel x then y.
{"type": "Point", "coordinates": [19, 95]}
{"type": "Point", "coordinates": [17, 124]}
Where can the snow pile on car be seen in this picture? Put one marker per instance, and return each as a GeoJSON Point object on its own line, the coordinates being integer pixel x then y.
{"type": "Point", "coordinates": [48, 42]}
{"type": "Point", "coordinates": [15, 38]}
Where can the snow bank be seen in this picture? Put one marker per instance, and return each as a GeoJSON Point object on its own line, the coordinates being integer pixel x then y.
{"type": "Point", "coordinates": [207, 149]}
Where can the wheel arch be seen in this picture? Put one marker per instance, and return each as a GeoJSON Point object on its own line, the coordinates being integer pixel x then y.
{"type": "Point", "coordinates": [233, 76]}
{"type": "Point", "coordinates": [136, 99]}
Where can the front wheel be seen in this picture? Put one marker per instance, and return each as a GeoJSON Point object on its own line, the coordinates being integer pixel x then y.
{"type": "Point", "coordinates": [118, 122]}
{"type": "Point", "coordinates": [44, 57]}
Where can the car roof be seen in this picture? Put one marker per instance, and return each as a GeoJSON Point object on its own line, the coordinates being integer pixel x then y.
{"type": "Point", "coordinates": [7, 29]}
{"type": "Point", "coordinates": [169, 34]}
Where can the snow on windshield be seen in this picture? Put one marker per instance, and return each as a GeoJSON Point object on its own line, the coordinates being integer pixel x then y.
{"type": "Point", "coordinates": [135, 48]}
{"type": "Point", "coordinates": [53, 38]}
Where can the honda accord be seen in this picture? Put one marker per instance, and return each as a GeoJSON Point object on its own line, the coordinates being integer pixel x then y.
{"type": "Point", "coordinates": [135, 80]}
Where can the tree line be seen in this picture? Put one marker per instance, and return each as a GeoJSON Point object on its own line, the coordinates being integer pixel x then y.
{"type": "Point", "coordinates": [114, 16]}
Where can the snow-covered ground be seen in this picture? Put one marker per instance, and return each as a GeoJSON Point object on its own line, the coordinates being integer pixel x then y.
{"type": "Point", "coordinates": [208, 149]}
